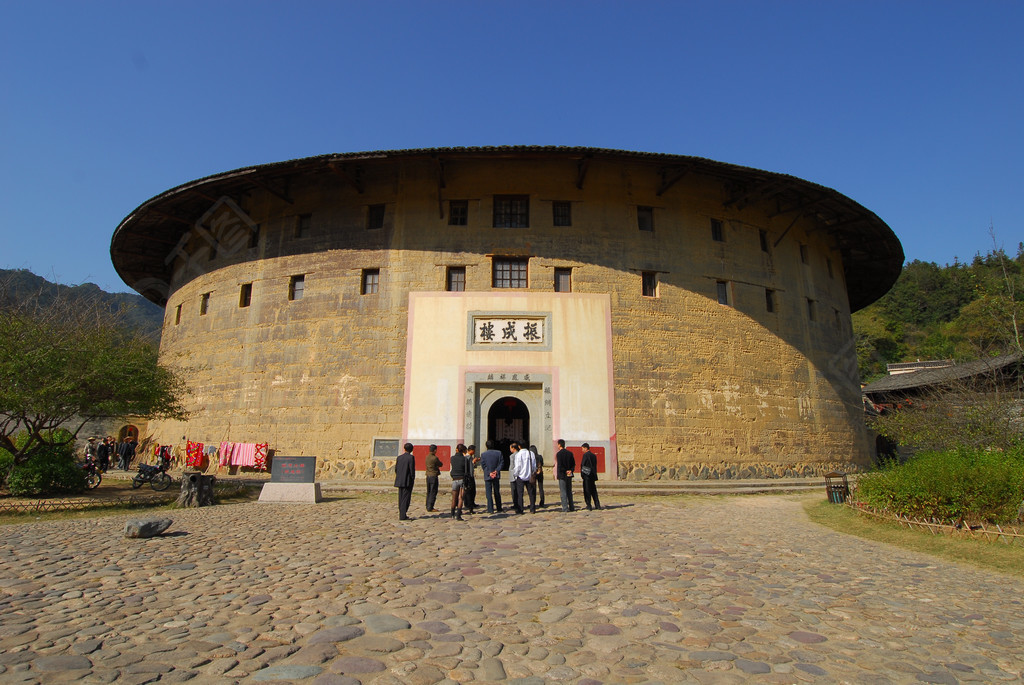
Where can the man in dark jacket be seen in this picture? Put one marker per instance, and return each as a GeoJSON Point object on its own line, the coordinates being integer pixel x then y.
{"type": "Point", "coordinates": [433, 473]}
{"type": "Point", "coordinates": [459, 468]}
{"type": "Point", "coordinates": [490, 464]}
{"type": "Point", "coordinates": [565, 465]}
{"type": "Point", "coordinates": [126, 452]}
{"type": "Point", "coordinates": [588, 474]}
{"type": "Point", "coordinates": [405, 478]}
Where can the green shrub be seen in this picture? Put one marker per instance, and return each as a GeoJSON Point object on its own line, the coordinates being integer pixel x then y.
{"type": "Point", "coordinates": [52, 470]}
{"type": "Point", "coordinates": [975, 485]}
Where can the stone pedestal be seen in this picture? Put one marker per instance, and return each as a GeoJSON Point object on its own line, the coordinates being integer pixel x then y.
{"type": "Point", "coordinates": [290, 492]}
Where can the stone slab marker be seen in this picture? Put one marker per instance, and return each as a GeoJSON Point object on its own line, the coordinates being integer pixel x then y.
{"type": "Point", "coordinates": [292, 479]}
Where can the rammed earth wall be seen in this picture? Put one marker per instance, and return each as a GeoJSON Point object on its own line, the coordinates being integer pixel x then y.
{"type": "Point", "coordinates": [700, 388]}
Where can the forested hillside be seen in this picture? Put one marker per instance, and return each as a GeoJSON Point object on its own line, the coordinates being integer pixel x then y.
{"type": "Point", "coordinates": [137, 312]}
{"type": "Point", "coordinates": [958, 311]}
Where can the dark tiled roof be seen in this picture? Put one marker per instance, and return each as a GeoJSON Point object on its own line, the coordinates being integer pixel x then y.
{"type": "Point", "coordinates": [872, 255]}
{"type": "Point", "coordinates": [938, 377]}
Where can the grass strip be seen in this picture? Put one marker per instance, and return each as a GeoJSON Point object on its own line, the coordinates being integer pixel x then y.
{"type": "Point", "coordinates": [991, 556]}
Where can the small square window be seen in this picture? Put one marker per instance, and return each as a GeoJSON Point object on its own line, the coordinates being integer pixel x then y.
{"type": "Point", "coordinates": [649, 283]}
{"type": "Point", "coordinates": [763, 236]}
{"type": "Point", "coordinates": [511, 211]}
{"type": "Point", "coordinates": [296, 287]}
{"type": "Point", "coordinates": [458, 212]}
{"type": "Point", "coordinates": [456, 279]}
{"type": "Point", "coordinates": [717, 234]}
{"type": "Point", "coordinates": [645, 218]}
{"type": "Point", "coordinates": [563, 280]}
{"type": "Point", "coordinates": [722, 288]}
{"type": "Point", "coordinates": [561, 213]}
{"type": "Point", "coordinates": [245, 295]}
{"type": "Point", "coordinates": [769, 300]}
{"type": "Point", "coordinates": [204, 304]}
{"type": "Point", "coordinates": [177, 316]}
{"type": "Point", "coordinates": [254, 235]}
{"type": "Point", "coordinates": [803, 253]}
{"type": "Point", "coordinates": [374, 216]}
{"type": "Point", "coordinates": [371, 281]}
{"type": "Point", "coordinates": [811, 313]}
{"type": "Point", "coordinates": [510, 272]}
{"type": "Point", "coordinates": [303, 224]}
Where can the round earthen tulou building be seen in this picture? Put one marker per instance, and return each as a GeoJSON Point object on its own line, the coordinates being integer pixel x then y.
{"type": "Point", "coordinates": [687, 318]}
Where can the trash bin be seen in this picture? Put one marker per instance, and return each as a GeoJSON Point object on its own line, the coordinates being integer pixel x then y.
{"type": "Point", "coordinates": [836, 487]}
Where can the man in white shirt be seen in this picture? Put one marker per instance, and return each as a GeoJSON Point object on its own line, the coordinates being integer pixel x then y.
{"type": "Point", "coordinates": [524, 465]}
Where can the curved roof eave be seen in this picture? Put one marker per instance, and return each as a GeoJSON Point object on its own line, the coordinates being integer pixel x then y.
{"type": "Point", "coordinates": [872, 254]}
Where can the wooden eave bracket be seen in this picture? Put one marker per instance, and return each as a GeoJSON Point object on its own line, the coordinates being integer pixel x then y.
{"type": "Point", "coordinates": [582, 167]}
{"type": "Point", "coordinates": [273, 191]}
{"type": "Point", "coordinates": [749, 196]}
{"type": "Point", "coordinates": [354, 180]}
{"type": "Point", "coordinates": [670, 179]}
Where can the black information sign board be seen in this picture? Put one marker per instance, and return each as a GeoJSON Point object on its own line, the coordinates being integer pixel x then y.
{"type": "Point", "coordinates": [293, 470]}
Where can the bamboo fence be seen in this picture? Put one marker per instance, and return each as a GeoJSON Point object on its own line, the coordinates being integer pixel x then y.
{"type": "Point", "coordinates": [83, 504]}
{"type": "Point", "coordinates": [990, 532]}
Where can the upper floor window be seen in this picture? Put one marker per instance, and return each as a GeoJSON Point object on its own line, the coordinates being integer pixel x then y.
{"type": "Point", "coordinates": [204, 304]}
{"type": "Point", "coordinates": [458, 212]}
{"type": "Point", "coordinates": [456, 279]}
{"type": "Point", "coordinates": [812, 314]}
{"type": "Point", "coordinates": [371, 281]}
{"type": "Point", "coordinates": [645, 218]}
{"type": "Point", "coordinates": [177, 316]}
{"type": "Point", "coordinates": [511, 211]}
{"type": "Point", "coordinates": [375, 216]}
{"type": "Point", "coordinates": [510, 272]}
{"type": "Point", "coordinates": [254, 235]}
{"type": "Point", "coordinates": [717, 234]}
{"type": "Point", "coordinates": [763, 236]}
{"type": "Point", "coordinates": [303, 224]}
{"type": "Point", "coordinates": [561, 213]}
{"type": "Point", "coordinates": [245, 295]}
{"type": "Point", "coordinates": [296, 287]}
{"type": "Point", "coordinates": [649, 283]}
{"type": "Point", "coordinates": [563, 280]}
{"type": "Point", "coordinates": [722, 289]}
{"type": "Point", "coordinates": [769, 300]}
{"type": "Point", "coordinates": [803, 254]}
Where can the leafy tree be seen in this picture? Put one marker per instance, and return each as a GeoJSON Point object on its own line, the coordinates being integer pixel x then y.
{"type": "Point", "coordinates": [67, 363]}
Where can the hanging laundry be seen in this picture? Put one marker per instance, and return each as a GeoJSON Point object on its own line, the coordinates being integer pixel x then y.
{"type": "Point", "coordinates": [260, 457]}
{"type": "Point", "coordinates": [244, 455]}
{"type": "Point", "coordinates": [226, 449]}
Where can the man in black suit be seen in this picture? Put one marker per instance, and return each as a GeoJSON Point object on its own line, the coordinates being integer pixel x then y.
{"type": "Point", "coordinates": [565, 465]}
{"type": "Point", "coordinates": [588, 474]}
{"type": "Point", "coordinates": [490, 463]}
{"type": "Point", "coordinates": [405, 478]}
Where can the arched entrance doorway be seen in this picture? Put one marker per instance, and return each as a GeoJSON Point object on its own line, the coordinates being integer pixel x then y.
{"type": "Point", "coordinates": [126, 432]}
{"type": "Point", "coordinates": [508, 419]}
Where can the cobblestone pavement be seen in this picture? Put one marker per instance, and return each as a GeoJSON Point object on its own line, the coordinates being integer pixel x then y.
{"type": "Point", "coordinates": [708, 591]}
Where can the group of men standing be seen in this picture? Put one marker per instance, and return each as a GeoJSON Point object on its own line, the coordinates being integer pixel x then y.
{"type": "Point", "coordinates": [105, 450]}
{"type": "Point", "coordinates": [526, 473]}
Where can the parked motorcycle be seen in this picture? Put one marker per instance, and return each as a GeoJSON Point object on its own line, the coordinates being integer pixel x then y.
{"type": "Point", "coordinates": [92, 473]}
{"type": "Point", "coordinates": [156, 476]}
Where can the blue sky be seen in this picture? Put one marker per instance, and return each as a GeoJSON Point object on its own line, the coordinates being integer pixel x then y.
{"type": "Point", "coordinates": [913, 109]}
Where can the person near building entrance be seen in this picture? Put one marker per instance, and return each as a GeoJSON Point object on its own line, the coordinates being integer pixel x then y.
{"type": "Point", "coordinates": [469, 496]}
{"type": "Point", "coordinates": [524, 471]}
{"type": "Point", "coordinates": [126, 452]}
{"type": "Point", "coordinates": [433, 473]}
{"type": "Point", "coordinates": [405, 478]}
{"type": "Point", "coordinates": [539, 458]}
{"type": "Point", "coordinates": [459, 470]}
{"type": "Point", "coordinates": [565, 466]}
{"type": "Point", "coordinates": [103, 455]}
{"type": "Point", "coordinates": [490, 464]}
{"type": "Point", "coordinates": [588, 474]}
